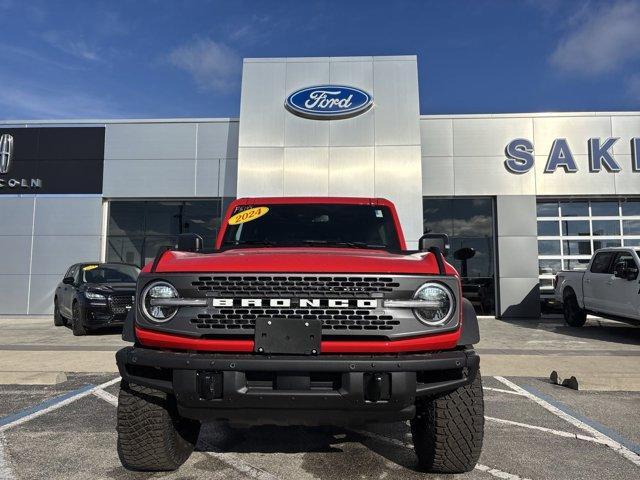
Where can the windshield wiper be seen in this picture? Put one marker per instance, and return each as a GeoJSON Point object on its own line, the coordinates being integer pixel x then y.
{"type": "Point", "coordinates": [251, 243]}
{"type": "Point", "coordinates": [349, 244]}
{"type": "Point", "coordinates": [300, 243]}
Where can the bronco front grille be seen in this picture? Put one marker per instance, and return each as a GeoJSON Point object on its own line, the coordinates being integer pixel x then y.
{"type": "Point", "coordinates": [119, 303]}
{"type": "Point", "coordinates": [274, 286]}
{"type": "Point", "coordinates": [332, 319]}
{"type": "Point", "coordinates": [348, 305]}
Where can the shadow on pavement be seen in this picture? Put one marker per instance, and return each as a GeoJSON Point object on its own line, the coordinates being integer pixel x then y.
{"type": "Point", "coordinates": [595, 329]}
{"type": "Point", "coordinates": [220, 437]}
{"type": "Point", "coordinates": [100, 331]}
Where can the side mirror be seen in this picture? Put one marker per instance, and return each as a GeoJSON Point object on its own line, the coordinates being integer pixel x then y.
{"type": "Point", "coordinates": [464, 253]}
{"type": "Point", "coordinates": [68, 280]}
{"type": "Point", "coordinates": [189, 242]}
{"type": "Point", "coordinates": [622, 270]}
{"type": "Point", "coordinates": [619, 270]}
{"type": "Point", "coordinates": [439, 240]}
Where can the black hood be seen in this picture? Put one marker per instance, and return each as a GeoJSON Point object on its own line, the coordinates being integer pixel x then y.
{"type": "Point", "coordinates": [124, 288]}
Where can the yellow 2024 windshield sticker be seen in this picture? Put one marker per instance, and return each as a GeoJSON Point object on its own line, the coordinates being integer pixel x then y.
{"type": "Point", "coordinates": [248, 215]}
{"type": "Point", "coordinates": [89, 267]}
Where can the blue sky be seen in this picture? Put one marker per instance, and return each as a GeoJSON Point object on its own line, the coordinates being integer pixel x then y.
{"type": "Point", "coordinates": [180, 58]}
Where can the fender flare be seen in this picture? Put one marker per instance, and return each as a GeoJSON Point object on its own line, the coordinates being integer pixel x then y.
{"type": "Point", "coordinates": [128, 328]}
{"type": "Point", "coordinates": [470, 334]}
{"type": "Point", "coordinates": [565, 293]}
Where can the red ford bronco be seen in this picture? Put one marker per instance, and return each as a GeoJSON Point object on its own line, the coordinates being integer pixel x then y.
{"type": "Point", "coordinates": [309, 311]}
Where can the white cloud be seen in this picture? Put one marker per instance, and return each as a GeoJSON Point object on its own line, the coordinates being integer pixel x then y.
{"type": "Point", "coordinates": [213, 65]}
{"type": "Point", "coordinates": [32, 102]}
{"type": "Point", "coordinates": [601, 42]}
{"type": "Point", "coordinates": [254, 30]}
{"type": "Point", "coordinates": [76, 47]}
{"type": "Point", "coordinates": [32, 58]}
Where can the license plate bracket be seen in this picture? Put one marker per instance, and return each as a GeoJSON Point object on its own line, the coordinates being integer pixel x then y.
{"type": "Point", "coordinates": [288, 336]}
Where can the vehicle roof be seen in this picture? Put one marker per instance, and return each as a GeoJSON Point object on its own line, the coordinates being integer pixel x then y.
{"type": "Point", "coordinates": [106, 263]}
{"type": "Point", "coordinates": [306, 200]}
{"type": "Point", "coordinates": [615, 249]}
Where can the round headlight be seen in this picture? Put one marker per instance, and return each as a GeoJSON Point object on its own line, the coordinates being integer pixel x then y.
{"type": "Point", "coordinates": [157, 291]}
{"type": "Point", "coordinates": [442, 300]}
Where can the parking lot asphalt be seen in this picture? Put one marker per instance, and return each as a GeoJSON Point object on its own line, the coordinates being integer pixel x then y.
{"type": "Point", "coordinates": [523, 439]}
{"type": "Point", "coordinates": [534, 430]}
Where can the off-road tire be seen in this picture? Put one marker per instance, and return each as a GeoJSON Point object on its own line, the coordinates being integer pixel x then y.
{"type": "Point", "coordinates": [573, 314]}
{"type": "Point", "coordinates": [151, 434]}
{"type": "Point", "coordinates": [58, 319]}
{"type": "Point", "coordinates": [448, 429]}
{"type": "Point", "coordinates": [77, 325]}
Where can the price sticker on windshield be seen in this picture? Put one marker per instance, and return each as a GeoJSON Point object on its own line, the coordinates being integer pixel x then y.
{"type": "Point", "coordinates": [89, 267]}
{"type": "Point", "coordinates": [248, 215]}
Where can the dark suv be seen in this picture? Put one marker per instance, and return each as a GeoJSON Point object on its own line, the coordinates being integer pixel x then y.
{"type": "Point", "coordinates": [94, 295]}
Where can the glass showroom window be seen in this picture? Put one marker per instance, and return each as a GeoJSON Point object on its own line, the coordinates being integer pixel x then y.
{"type": "Point", "coordinates": [470, 226]}
{"type": "Point", "coordinates": [139, 229]}
{"type": "Point", "coordinates": [570, 230]}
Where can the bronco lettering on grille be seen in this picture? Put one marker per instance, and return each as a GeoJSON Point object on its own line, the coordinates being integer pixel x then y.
{"type": "Point", "coordinates": [299, 302]}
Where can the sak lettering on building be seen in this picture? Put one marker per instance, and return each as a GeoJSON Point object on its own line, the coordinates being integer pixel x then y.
{"type": "Point", "coordinates": [521, 157]}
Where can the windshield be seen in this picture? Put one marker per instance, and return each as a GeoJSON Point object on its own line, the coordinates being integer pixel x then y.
{"type": "Point", "coordinates": [110, 274]}
{"type": "Point", "coordinates": [358, 226]}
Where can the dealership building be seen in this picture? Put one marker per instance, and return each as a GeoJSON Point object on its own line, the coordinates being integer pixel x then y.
{"type": "Point", "coordinates": [520, 195]}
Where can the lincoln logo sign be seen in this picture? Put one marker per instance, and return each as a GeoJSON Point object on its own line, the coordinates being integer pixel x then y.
{"type": "Point", "coordinates": [328, 102]}
{"type": "Point", "coordinates": [521, 156]}
{"type": "Point", "coordinates": [6, 157]}
{"type": "Point", "coordinates": [6, 152]}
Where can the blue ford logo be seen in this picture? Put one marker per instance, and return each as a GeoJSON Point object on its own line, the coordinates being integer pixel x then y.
{"type": "Point", "coordinates": [328, 102]}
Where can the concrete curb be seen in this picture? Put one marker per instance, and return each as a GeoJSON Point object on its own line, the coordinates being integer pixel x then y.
{"type": "Point", "coordinates": [56, 361]}
{"type": "Point", "coordinates": [594, 373]}
{"type": "Point", "coordinates": [32, 378]}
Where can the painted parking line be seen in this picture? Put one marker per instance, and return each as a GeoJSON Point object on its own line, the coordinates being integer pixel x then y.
{"type": "Point", "coordinates": [607, 437]}
{"type": "Point", "coordinates": [494, 472]}
{"type": "Point", "coordinates": [106, 396]}
{"type": "Point", "coordinates": [560, 433]}
{"type": "Point", "coordinates": [47, 406]}
{"type": "Point", "coordinates": [502, 390]}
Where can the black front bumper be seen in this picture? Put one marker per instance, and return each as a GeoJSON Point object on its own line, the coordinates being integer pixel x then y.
{"type": "Point", "coordinates": [97, 315]}
{"type": "Point", "coordinates": [328, 389]}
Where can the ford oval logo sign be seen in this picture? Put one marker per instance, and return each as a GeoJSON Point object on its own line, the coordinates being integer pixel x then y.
{"type": "Point", "coordinates": [328, 102]}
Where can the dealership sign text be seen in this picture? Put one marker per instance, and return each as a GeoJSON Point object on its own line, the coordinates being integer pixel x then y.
{"type": "Point", "coordinates": [521, 157]}
{"type": "Point", "coordinates": [6, 159]}
{"type": "Point", "coordinates": [328, 102]}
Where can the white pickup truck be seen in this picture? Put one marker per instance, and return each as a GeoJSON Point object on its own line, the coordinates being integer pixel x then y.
{"type": "Point", "coordinates": [608, 288]}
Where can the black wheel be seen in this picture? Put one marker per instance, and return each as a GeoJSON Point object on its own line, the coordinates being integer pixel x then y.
{"type": "Point", "coordinates": [58, 319]}
{"type": "Point", "coordinates": [151, 434]}
{"type": "Point", "coordinates": [448, 429]}
{"type": "Point", "coordinates": [573, 314]}
{"type": "Point", "coordinates": [77, 321]}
